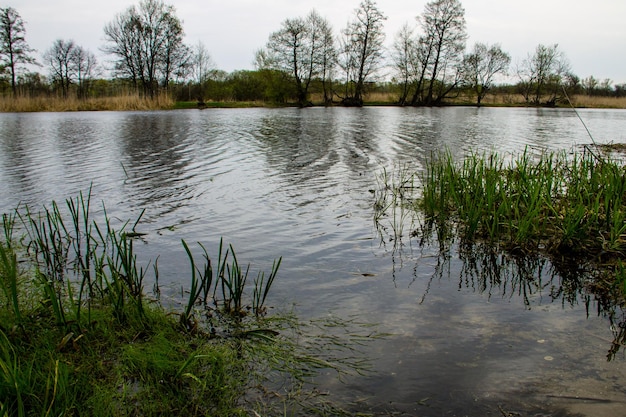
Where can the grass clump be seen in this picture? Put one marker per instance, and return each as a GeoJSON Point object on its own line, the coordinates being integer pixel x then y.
{"type": "Point", "coordinates": [80, 336]}
{"type": "Point", "coordinates": [551, 202]}
{"type": "Point", "coordinates": [566, 207]}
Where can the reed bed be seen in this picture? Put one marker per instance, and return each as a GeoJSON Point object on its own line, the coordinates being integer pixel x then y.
{"type": "Point", "coordinates": [597, 102]}
{"type": "Point", "coordinates": [79, 335]}
{"type": "Point", "coordinates": [503, 99]}
{"type": "Point", "coordinates": [58, 104]}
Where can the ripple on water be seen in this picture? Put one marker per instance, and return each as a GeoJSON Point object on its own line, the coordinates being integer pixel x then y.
{"type": "Point", "coordinates": [294, 183]}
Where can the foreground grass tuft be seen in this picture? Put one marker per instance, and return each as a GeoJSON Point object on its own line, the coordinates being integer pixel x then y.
{"type": "Point", "coordinates": [80, 336]}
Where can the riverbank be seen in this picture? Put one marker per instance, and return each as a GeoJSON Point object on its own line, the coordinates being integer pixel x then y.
{"type": "Point", "coordinates": [79, 335]}
{"type": "Point", "coordinates": [164, 102]}
{"type": "Point", "coordinates": [55, 104]}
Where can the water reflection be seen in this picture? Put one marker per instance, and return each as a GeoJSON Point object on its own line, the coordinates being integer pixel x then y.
{"type": "Point", "coordinates": [303, 151]}
{"type": "Point", "coordinates": [295, 183]}
{"type": "Point", "coordinates": [529, 278]}
{"type": "Point", "coordinates": [484, 268]}
{"type": "Point", "coordinates": [156, 160]}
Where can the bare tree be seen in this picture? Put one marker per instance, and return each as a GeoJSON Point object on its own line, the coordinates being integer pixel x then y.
{"type": "Point", "coordinates": [325, 55]}
{"type": "Point", "coordinates": [482, 65]}
{"type": "Point", "coordinates": [14, 51]}
{"type": "Point", "coordinates": [201, 63]}
{"type": "Point", "coordinates": [69, 64]}
{"type": "Point", "coordinates": [420, 60]}
{"type": "Point", "coordinates": [291, 52]}
{"type": "Point", "coordinates": [177, 57]}
{"type": "Point", "coordinates": [429, 64]}
{"type": "Point", "coordinates": [543, 74]}
{"type": "Point", "coordinates": [202, 66]}
{"type": "Point", "coordinates": [86, 68]}
{"type": "Point", "coordinates": [300, 48]}
{"type": "Point", "coordinates": [59, 61]}
{"type": "Point", "coordinates": [442, 46]}
{"type": "Point", "coordinates": [148, 43]}
{"type": "Point", "coordinates": [362, 50]}
{"type": "Point", "coordinates": [403, 57]}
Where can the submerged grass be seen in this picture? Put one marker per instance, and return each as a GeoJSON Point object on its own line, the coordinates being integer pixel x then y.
{"type": "Point", "coordinates": [567, 207]}
{"type": "Point", "coordinates": [79, 335]}
{"type": "Point", "coordinates": [551, 202]}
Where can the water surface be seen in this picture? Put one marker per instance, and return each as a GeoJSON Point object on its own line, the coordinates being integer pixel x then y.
{"type": "Point", "coordinates": [298, 183]}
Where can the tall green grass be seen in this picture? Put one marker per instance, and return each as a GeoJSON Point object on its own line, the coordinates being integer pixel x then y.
{"type": "Point", "coordinates": [554, 202]}
{"type": "Point", "coordinates": [567, 207]}
{"type": "Point", "coordinates": [223, 287]}
{"type": "Point", "coordinates": [560, 205]}
{"type": "Point", "coordinates": [79, 335]}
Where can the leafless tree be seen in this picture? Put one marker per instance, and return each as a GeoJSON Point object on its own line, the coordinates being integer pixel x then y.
{"type": "Point", "coordinates": [202, 66]}
{"type": "Point", "coordinates": [59, 61]}
{"type": "Point", "coordinates": [69, 64]}
{"type": "Point", "coordinates": [441, 49]}
{"type": "Point", "coordinates": [542, 75]}
{"type": "Point", "coordinates": [325, 56]}
{"type": "Point", "coordinates": [201, 63]}
{"type": "Point", "coordinates": [290, 48]}
{"type": "Point", "coordinates": [86, 68]}
{"type": "Point", "coordinates": [302, 48]}
{"type": "Point", "coordinates": [403, 58]}
{"type": "Point", "coordinates": [361, 51]}
{"type": "Point", "coordinates": [148, 43]}
{"type": "Point", "coordinates": [481, 67]}
{"type": "Point", "coordinates": [14, 51]}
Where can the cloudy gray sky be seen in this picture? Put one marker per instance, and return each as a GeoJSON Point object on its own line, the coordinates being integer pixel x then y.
{"type": "Point", "coordinates": [592, 34]}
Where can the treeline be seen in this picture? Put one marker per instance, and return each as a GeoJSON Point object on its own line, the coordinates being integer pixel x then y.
{"type": "Point", "coordinates": [303, 62]}
{"type": "Point", "coordinates": [274, 87]}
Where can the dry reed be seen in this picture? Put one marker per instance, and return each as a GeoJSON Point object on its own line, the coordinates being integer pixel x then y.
{"type": "Point", "coordinates": [57, 104]}
{"type": "Point", "coordinates": [599, 102]}
{"type": "Point", "coordinates": [580, 101]}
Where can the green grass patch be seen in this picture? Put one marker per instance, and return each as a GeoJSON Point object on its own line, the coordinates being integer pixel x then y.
{"type": "Point", "coordinates": [569, 208]}
{"type": "Point", "coordinates": [79, 335]}
{"type": "Point", "coordinates": [557, 203]}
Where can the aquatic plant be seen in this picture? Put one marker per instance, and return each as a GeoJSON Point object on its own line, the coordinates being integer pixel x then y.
{"type": "Point", "coordinates": [394, 194]}
{"type": "Point", "coordinates": [566, 207]}
{"type": "Point", "coordinates": [553, 202]}
{"type": "Point", "coordinates": [78, 333]}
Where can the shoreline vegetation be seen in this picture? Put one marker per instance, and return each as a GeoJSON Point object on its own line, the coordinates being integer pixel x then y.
{"type": "Point", "coordinates": [304, 61]}
{"type": "Point", "coordinates": [567, 207]}
{"type": "Point", "coordinates": [80, 335]}
{"type": "Point", "coordinates": [135, 102]}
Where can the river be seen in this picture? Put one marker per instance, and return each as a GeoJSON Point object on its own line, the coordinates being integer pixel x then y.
{"type": "Point", "coordinates": [300, 183]}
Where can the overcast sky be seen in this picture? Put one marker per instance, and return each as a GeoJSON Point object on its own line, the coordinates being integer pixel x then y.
{"type": "Point", "coordinates": [592, 34]}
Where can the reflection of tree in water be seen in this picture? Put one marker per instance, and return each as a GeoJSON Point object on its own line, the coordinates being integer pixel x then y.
{"type": "Point", "coordinates": [300, 146]}
{"type": "Point", "coordinates": [313, 142]}
{"type": "Point", "coordinates": [18, 159]}
{"type": "Point", "coordinates": [156, 160]}
{"type": "Point", "coordinates": [532, 278]}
